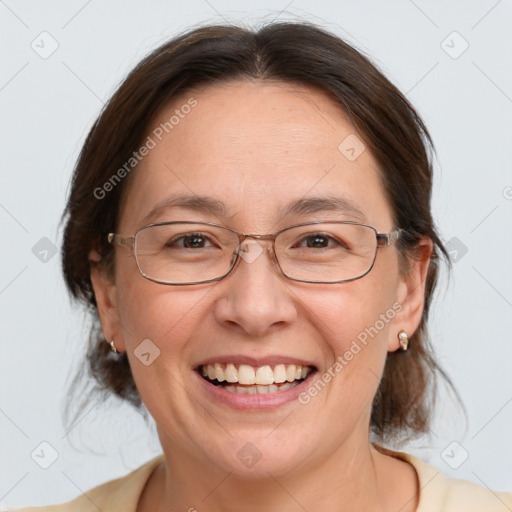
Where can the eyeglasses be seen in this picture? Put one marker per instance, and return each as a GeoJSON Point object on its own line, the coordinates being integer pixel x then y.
{"type": "Point", "coordinates": [187, 252]}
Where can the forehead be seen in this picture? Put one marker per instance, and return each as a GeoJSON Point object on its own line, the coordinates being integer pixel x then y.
{"type": "Point", "coordinates": [255, 147]}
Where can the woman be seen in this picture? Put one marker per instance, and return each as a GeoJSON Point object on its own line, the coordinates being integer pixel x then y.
{"type": "Point", "coordinates": [250, 219]}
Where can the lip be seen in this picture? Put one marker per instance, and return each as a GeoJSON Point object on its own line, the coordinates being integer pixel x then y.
{"type": "Point", "coordinates": [257, 402]}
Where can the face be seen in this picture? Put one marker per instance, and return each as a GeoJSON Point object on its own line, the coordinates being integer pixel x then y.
{"type": "Point", "coordinates": [256, 147]}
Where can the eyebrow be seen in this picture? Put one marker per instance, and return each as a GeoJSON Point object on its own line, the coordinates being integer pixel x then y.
{"type": "Point", "coordinates": [200, 204]}
{"type": "Point", "coordinates": [310, 205]}
{"type": "Point", "coordinates": [302, 206]}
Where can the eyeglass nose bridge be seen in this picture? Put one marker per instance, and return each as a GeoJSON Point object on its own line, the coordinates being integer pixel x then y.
{"type": "Point", "coordinates": [242, 237]}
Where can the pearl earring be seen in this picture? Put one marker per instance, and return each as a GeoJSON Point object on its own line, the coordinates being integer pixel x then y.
{"type": "Point", "coordinates": [403, 339]}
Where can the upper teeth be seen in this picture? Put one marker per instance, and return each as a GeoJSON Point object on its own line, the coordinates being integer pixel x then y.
{"type": "Point", "coordinates": [244, 374]}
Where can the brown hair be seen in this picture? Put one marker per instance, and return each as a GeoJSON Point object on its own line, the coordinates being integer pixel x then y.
{"type": "Point", "coordinates": [284, 52]}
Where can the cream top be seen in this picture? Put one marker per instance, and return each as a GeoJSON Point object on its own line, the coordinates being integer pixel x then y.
{"type": "Point", "coordinates": [438, 492]}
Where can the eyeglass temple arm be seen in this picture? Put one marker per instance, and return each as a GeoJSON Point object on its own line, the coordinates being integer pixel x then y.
{"type": "Point", "coordinates": [112, 238]}
{"type": "Point", "coordinates": [384, 239]}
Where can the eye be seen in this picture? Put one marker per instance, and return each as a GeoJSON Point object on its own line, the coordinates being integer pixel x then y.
{"type": "Point", "coordinates": [189, 241]}
{"type": "Point", "coordinates": [321, 241]}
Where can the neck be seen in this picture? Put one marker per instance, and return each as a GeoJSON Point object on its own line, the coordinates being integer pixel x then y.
{"type": "Point", "coordinates": [354, 477]}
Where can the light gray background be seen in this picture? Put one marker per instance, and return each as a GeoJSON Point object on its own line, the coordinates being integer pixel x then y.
{"type": "Point", "coordinates": [49, 104]}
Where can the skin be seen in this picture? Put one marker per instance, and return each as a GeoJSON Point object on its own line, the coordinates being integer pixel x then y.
{"type": "Point", "coordinates": [255, 146]}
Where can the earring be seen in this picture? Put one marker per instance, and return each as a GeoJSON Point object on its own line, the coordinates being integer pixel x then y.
{"type": "Point", "coordinates": [403, 339]}
{"type": "Point", "coordinates": [113, 347]}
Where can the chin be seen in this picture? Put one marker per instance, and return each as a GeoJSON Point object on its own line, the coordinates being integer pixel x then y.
{"type": "Point", "coordinates": [257, 454]}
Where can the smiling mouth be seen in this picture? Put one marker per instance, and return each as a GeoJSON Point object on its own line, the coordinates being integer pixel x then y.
{"type": "Point", "coordinates": [245, 379]}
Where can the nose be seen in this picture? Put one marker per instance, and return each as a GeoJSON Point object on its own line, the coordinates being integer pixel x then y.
{"type": "Point", "coordinates": [256, 298]}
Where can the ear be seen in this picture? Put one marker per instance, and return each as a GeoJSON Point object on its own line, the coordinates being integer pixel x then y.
{"type": "Point", "coordinates": [411, 293]}
{"type": "Point", "coordinates": [106, 299]}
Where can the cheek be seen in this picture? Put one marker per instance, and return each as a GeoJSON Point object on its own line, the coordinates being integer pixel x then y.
{"type": "Point", "coordinates": [168, 319]}
{"type": "Point", "coordinates": [360, 311]}
{"type": "Point", "coordinates": [151, 311]}
{"type": "Point", "coordinates": [356, 319]}
{"type": "Point", "coordinates": [162, 314]}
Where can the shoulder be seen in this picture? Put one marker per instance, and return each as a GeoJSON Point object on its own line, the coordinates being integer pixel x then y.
{"type": "Point", "coordinates": [121, 494]}
{"type": "Point", "coordinates": [440, 493]}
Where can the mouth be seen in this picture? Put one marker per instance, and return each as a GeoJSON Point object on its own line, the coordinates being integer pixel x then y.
{"type": "Point", "coordinates": [251, 380]}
